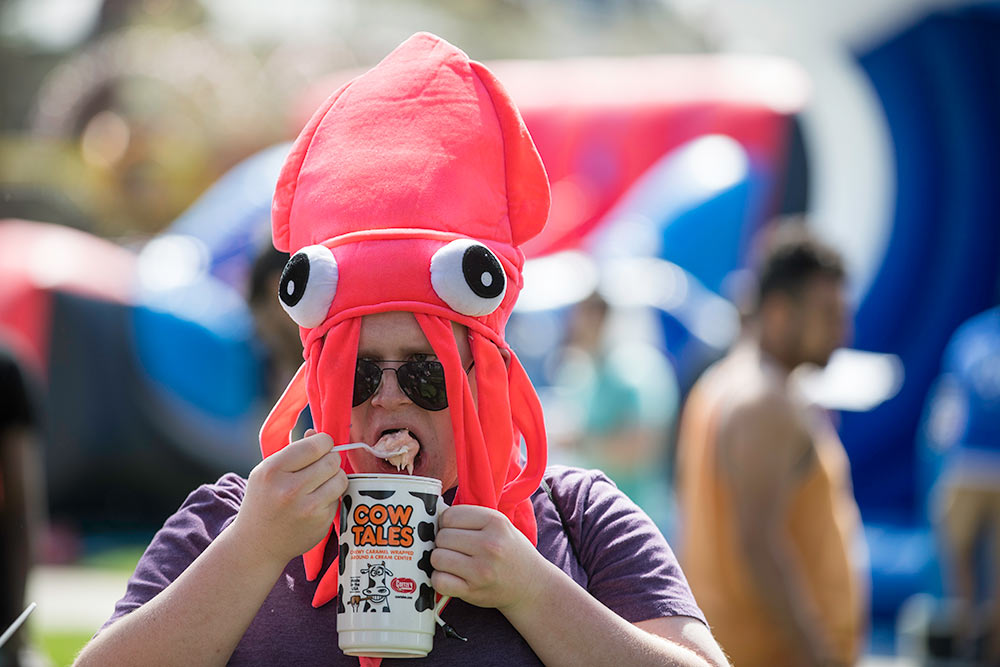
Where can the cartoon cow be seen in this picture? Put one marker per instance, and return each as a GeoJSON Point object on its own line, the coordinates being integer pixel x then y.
{"type": "Point", "coordinates": [377, 594]}
{"type": "Point", "coordinates": [357, 600]}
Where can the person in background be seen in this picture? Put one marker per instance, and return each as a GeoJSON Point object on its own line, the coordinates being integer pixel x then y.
{"type": "Point", "coordinates": [21, 500]}
{"type": "Point", "coordinates": [965, 505]}
{"type": "Point", "coordinates": [279, 335]}
{"type": "Point", "coordinates": [770, 535]}
{"type": "Point", "coordinates": [621, 398]}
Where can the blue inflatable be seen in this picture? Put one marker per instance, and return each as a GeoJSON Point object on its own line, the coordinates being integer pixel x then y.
{"type": "Point", "coordinates": [233, 218]}
{"type": "Point", "coordinates": [697, 206]}
{"type": "Point", "coordinates": [939, 83]}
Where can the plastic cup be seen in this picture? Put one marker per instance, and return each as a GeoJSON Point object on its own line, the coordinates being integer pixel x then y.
{"type": "Point", "coordinates": [385, 605]}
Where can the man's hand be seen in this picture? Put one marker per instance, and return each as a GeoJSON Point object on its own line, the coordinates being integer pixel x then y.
{"type": "Point", "coordinates": [291, 499]}
{"type": "Point", "coordinates": [480, 557]}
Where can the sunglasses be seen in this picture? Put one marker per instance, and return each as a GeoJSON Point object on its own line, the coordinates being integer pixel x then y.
{"type": "Point", "coordinates": [421, 381]}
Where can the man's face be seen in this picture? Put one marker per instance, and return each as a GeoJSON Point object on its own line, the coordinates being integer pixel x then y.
{"type": "Point", "coordinates": [397, 336]}
{"type": "Point", "coordinates": [820, 320]}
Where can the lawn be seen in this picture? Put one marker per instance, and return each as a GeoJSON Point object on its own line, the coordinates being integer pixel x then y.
{"type": "Point", "coordinates": [62, 643]}
{"type": "Point", "coordinates": [60, 646]}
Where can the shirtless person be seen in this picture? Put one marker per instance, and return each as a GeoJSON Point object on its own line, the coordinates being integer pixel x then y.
{"type": "Point", "coordinates": [769, 522]}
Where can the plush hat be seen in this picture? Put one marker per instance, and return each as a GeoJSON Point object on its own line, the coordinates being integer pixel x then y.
{"type": "Point", "coordinates": [412, 188]}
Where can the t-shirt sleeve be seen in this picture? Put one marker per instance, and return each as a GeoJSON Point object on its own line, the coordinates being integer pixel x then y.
{"type": "Point", "coordinates": [630, 567]}
{"type": "Point", "coordinates": [183, 537]}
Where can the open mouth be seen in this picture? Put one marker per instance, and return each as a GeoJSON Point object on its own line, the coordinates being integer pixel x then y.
{"type": "Point", "coordinates": [399, 448]}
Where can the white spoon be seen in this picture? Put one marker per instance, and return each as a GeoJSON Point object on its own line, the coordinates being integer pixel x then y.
{"type": "Point", "coordinates": [362, 445]}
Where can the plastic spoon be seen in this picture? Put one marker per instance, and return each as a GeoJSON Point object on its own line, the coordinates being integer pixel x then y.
{"type": "Point", "coordinates": [362, 445]}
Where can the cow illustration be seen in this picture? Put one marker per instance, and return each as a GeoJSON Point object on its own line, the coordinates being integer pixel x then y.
{"type": "Point", "coordinates": [377, 592]}
{"type": "Point", "coordinates": [357, 600]}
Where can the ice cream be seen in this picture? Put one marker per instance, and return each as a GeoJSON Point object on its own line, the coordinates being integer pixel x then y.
{"type": "Point", "coordinates": [399, 448]}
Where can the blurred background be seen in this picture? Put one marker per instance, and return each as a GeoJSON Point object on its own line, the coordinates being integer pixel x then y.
{"type": "Point", "coordinates": [140, 141]}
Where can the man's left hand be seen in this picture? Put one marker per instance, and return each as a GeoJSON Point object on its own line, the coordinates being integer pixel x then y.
{"type": "Point", "coordinates": [482, 558]}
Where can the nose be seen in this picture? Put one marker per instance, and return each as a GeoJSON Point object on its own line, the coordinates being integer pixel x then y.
{"type": "Point", "coordinates": [389, 393]}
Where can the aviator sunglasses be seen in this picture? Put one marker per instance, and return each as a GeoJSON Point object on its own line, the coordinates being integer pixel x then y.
{"type": "Point", "coordinates": [421, 381]}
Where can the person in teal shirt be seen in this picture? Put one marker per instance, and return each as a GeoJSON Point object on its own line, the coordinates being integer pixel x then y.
{"type": "Point", "coordinates": [620, 400]}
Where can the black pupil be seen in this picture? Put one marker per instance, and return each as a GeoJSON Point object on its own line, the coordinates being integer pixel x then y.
{"type": "Point", "coordinates": [294, 277]}
{"type": "Point", "coordinates": [421, 381]}
{"type": "Point", "coordinates": [483, 272]}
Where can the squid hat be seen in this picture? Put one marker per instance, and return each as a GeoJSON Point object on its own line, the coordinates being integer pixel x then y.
{"type": "Point", "coordinates": [411, 189]}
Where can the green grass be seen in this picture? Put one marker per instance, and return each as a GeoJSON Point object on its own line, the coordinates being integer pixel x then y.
{"type": "Point", "coordinates": [62, 646]}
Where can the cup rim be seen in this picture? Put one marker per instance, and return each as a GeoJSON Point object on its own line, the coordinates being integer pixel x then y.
{"type": "Point", "coordinates": [385, 476]}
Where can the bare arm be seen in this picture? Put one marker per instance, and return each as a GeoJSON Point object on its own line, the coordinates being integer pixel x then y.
{"type": "Point", "coordinates": [483, 559]}
{"type": "Point", "coordinates": [198, 619]}
{"type": "Point", "coordinates": [765, 453]}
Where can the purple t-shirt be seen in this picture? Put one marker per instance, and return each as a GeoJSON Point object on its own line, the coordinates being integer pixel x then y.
{"type": "Point", "coordinates": [624, 562]}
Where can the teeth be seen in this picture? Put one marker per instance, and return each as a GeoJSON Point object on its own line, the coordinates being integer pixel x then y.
{"type": "Point", "coordinates": [398, 447]}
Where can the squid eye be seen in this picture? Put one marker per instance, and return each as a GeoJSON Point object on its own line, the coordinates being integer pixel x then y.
{"type": "Point", "coordinates": [468, 277]}
{"type": "Point", "coordinates": [308, 285]}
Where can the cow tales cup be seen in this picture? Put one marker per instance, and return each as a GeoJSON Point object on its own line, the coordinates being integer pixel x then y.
{"type": "Point", "coordinates": [385, 606]}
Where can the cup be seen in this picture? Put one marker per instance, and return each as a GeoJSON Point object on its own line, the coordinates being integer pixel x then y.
{"type": "Point", "coordinates": [385, 604]}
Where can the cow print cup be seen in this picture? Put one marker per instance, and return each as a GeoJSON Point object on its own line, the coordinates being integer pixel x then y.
{"type": "Point", "coordinates": [387, 527]}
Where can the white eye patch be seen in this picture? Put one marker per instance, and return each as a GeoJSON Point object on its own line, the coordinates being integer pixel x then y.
{"type": "Point", "coordinates": [308, 285]}
{"type": "Point", "coordinates": [468, 277]}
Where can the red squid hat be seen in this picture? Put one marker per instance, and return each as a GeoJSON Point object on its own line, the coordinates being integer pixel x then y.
{"type": "Point", "coordinates": [411, 189]}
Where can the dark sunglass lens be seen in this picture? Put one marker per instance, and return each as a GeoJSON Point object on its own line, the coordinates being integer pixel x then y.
{"type": "Point", "coordinates": [367, 376]}
{"type": "Point", "coordinates": [423, 382]}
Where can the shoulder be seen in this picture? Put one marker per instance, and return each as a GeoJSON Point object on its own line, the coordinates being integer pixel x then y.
{"type": "Point", "coordinates": [223, 496]}
{"type": "Point", "coordinates": [569, 478]}
{"type": "Point", "coordinates": [205, 512]}
{"type": "Point", "coordinates": [757, 404]}
{"type": "Point", "coordinates": [739, 384]}
{"type": "Point", "coordinates": [627, 562]}
{"type": "Point", "coordinates": [591, 509]}
{"type": "Point", "coordinates": [761, 405]}
{"type": "Point", "coordinates": [573, 487]}
{"type": "Point", "coordinates": [767, 434]}
{"type": "Point", "coordinates": [185, 534]}
{"type": "Point", "coordinates": [230, 489]}
{"type": "Point", "coordinates": [577, 501]}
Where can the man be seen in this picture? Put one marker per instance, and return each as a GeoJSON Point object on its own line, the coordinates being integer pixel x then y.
{"type": "Point", "coordinates": [403, 203]}
{"type": "Point", "coordinates": [282, 350]}
{"type": "Point", "coordinates": [769, 522]}
{"type": "Point", "coordinates": [279, 347]}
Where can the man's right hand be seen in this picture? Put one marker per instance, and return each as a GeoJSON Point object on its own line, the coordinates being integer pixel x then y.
{"type": "Point", "coordinates": [291, 499]}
